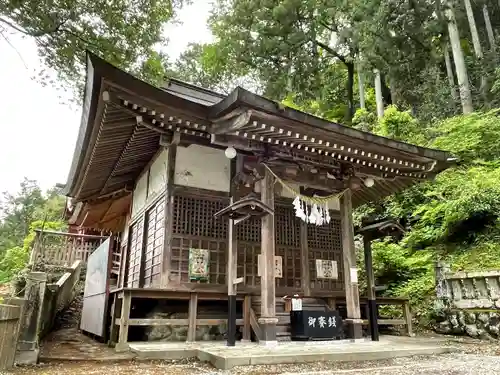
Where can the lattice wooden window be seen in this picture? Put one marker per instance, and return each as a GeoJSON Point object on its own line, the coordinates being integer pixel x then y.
{"type": "Point", "coordinates": [134, 266]}
{"type": "Point", "coordinates": [325, 242]}
{"type": "Point", "coordinates": [249, 231]}
{"type": "Point", "coordinates": [288, 245]}
{"type": "Point", "coordinates": [180, 258]}
{"type": "Point", "coordinates": [247, 262]}
{"type": "Point", "coordinates": [287, 226]}
{"type": "Point", "coordinates": [195, 217]}
{"type": "Point", "coordinates": [291, 267]}
{"type": "Point", "coordinates": [195, 227]}
{"type": "Point", "coordinates": [154, 243]}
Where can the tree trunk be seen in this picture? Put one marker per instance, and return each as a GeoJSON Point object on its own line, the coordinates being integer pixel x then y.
{"type": "Point", "coordinates": [449, 71]}
{"type": "Point", "coordinates": [378, 94]}
{"type": "Point", "coordinates": [475, 41]}
{"type": "Point", "coordinates": [386, 91]}
{"type": "Point", "coordinates": [473, 30]}
{"type": "Point", "coordinates": [489, 29]}
{"type": "Point", "coordinates": [361, 87]}
{"type": "Point", "coordinates": [458, 57]}
{"type": "Point", "coordinates": [350, 91]}
{"type": "Point", "coordinates": [394, 91]}
{"type": "Point", "coordinates": [446, 52]}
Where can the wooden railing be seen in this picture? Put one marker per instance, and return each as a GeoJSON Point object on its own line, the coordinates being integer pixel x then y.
{"type": "Point", "coordinates": [63, 249]}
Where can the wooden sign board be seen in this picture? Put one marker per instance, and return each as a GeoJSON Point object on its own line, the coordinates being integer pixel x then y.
{"type": "Point", "coordinates": [278, 266]}
{"type": "Point", "coordinates": [326, 269]}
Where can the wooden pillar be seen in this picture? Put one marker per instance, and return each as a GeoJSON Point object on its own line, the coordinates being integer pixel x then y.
{"type": "Point", "coordinates": [267, 318]}
{"type": "Point", "coordinates": [232, 266]}
{"type": "Point", "coordinates": [407, 317]}
{"type": "Point", "coordinates": [370, 281]}
{"type": "Point", "coordinates": [247, 329]}
{"type": "Point", "coordinates": [304, 256]}
{"type": "Point", "coordinates": [350, 271]}
{"type": "Point", "coordinates": [192, 315]}
{"type": "Point", "coordinates": [142, 265]}
{"type": "Point", "coordinates": [113, 329]}
{"type": "Point", "coordinates": [169, 212]}
{"type": "Point", "coordinates": [122, 344]}
{"type": "Point", "coordinates": [122, 274]}
{"type": "Point", "coordinates": [232, 260]}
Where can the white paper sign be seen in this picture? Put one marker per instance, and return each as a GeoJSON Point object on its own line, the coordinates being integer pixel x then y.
{"type": "Point", "coordinates": [354, 275]}
{"type": "Point", "coordinates": [278, 266]}
{"type": "Point", "coordinates": [296, 304]}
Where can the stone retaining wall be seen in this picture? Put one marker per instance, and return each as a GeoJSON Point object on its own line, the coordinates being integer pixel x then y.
{"type": "Point", "coordinates": [468, 303]}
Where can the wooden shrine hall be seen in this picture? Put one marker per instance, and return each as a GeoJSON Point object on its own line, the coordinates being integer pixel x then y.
{"type": "Point", "coordinates": [210, 198]}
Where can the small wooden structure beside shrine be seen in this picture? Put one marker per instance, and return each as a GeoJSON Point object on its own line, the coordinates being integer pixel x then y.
{"type": "Point", "coordinates": [210, 195]}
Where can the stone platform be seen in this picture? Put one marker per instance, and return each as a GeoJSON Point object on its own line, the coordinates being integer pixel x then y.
{"type": "Point", "coordinates": [223, 357]}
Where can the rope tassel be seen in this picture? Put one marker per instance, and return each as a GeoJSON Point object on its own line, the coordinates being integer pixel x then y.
{"type": "Point", "coordinates": [313, 210]}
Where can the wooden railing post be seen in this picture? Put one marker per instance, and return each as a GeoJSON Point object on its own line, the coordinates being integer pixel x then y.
{"type": "Point", "coordinates": [407, 317]}
{"type": "Point", "coordinates": [35, 250]}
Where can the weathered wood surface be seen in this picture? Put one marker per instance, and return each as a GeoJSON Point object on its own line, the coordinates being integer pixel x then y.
{"type": "Point", "coordinates": [166, 259]}
{"type": "Point", "coordinates": [193, 312]}
{"type": "Point", "coordinates": [63, 249]}
{"type": "Point", "coordinates": [96, 292]}
{"type": "Point", "coordinates": [349, 263]}
{"type": "Point", "coordinates": [268, 243]}
{"type": "Point", "coordinates": [124, 322]}
{"type": "Point", "coordinates": [9, 333]}
{"type": "Point", "coordinates": [177, 322]}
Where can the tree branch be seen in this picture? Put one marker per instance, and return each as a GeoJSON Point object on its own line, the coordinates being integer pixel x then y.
{"type": "Point", "coordinates": [76, 35]}
{"type": "Point", "coordinates": [56, 28]}
{"type": "Point", "coordinates": [14, 48]}
{"type": "Point", "coordinates": [13, 26]}
{"type": "Point", "coordinates": [332, 28]}
{"type": "Point", "coordinates": [331, 51]}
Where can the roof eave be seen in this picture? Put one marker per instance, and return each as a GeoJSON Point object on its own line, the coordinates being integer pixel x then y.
{"type": "Point", "coordinates": [244, 98]}
{"type": "Point", "coordinates": [90, 101]}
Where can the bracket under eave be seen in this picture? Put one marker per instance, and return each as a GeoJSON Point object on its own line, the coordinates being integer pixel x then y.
{"type": "Point", "coordinates": [244, 209]}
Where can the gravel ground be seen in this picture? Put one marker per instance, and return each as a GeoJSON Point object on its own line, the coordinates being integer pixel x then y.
{"type": "Point", "coordinates": [449, 364]}
{"type": "Point", "coordinates": [475, 358]}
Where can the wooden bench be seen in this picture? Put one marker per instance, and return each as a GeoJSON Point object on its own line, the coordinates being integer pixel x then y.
{"type": "Point", "coordinates": [403, 302]}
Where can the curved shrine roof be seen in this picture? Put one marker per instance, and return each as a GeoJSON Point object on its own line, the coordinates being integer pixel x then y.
{"type": "Point", "coordinates": [124, 118]}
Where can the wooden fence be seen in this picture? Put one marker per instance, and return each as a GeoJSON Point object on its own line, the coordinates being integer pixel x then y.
{"type": "Point", "coordinates": [9, 333]}
{"type": "Point", "coordinates": [63, 249]}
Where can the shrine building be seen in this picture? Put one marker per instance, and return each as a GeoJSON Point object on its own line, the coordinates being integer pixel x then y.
{"type": "Point", "coordinates": [220, 208]}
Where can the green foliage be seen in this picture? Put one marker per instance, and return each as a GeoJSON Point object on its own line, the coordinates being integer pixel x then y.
{"type": "Point", "coordinates": [14, 260]}
{"type": "Point", "coordinates": [22, 213]}
{"type": "Point", "coordinates": [461, 202]}
{"type": "Point", "coordinates": [125, 33]}
{"type": "Point", "coordinates": [455, 218]}
{"type": "Point", "coordinates": [471, 137]}
{"type": "Point", "coordinates": [17, 212]}
{"type": "Point", "coordinates": [364, 120]}
{"type": "Point", "coordinates": [398, 125]}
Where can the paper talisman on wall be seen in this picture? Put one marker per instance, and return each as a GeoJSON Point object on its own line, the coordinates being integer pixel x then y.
{"type": "Point", "coordinates": [199, 261]}
{"type": "Point", "coordinates": [278, 266]}
{"type": "Point", "coordinates": [326, 269]}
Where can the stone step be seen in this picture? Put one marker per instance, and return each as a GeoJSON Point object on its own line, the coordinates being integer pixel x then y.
{"type": "Point", "coordinates": [283, 336]}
